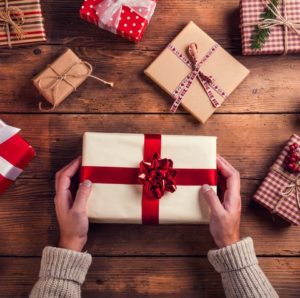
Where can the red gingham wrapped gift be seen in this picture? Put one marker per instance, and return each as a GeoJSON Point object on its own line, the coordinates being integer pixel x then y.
{"type": "Point", "coordinates": [127, 18]}
{"type": "Point", "coordinates": [250, 13]}
{"type": "Point", "coordinates": [280, 190]}
{"type": "Point", "coordinates": [15, 155]}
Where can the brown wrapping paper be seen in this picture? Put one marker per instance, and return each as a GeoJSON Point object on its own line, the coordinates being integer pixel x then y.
{"type": "Point", "coordinates": [53, 87]}
{"type": "Point", "coordinates": [168, 71]}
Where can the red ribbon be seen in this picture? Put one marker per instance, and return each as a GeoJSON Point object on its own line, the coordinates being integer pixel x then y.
{"type": "Point", "coordinates": [150, 203]}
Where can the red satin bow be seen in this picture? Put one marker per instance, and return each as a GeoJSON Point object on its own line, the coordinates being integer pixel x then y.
{"type": "Point", "coordinates": [158, 176]}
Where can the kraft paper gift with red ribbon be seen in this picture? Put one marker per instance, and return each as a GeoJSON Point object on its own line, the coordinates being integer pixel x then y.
{"type": "Point", "coordinates": [280, 190]}
{"type": "Point", "coordinates": [15, 155]}
{"type": "Point", "coordinates": [196, 72]}
{"type": "Point", "coordinates": [148, 179]}
{"type": "Point", "coordinates": [284, 27]}
{"type": "Point", "coordinates": [21, 22]}
{"type": "Point", "coordinates": [127, 18]}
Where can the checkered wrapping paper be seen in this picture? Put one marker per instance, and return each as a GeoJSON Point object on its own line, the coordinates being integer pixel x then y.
{"type": "Point", "coordinates": [268, 193]}
{"type": "Point", "coordinates": [250, 12]}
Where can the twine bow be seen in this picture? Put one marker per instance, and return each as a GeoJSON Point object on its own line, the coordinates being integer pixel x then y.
{"type": "Point", "coordinates": [279, 20]}
{"type": "Point", "coordinates": [59, 78]}
{"type": "Point", "coordinates": [12, 17]}
{"type": "Point", "coordinates": [293, 187]}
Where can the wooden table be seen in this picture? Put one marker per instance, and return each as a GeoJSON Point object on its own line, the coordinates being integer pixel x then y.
{"type": "Point", "coordinates": [144, 261]}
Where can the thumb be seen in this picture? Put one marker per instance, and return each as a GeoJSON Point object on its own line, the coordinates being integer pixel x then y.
{"type": "Point", "coordinates": [212, 199]}
{"type": "Point", "coordinates": [82, 195]}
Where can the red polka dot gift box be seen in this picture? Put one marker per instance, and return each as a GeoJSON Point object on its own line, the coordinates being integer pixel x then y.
{"type": "Point", "coordinates": [127, 18]}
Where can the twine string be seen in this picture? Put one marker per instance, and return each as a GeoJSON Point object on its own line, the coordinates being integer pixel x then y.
{"type": "Point", "coordinates": [59, 78]}
{"type": "Point", "coordinates": [12, 17]}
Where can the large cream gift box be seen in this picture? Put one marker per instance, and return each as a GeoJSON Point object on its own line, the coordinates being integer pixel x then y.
{"type": "Point", "coordinates": [113, 162]}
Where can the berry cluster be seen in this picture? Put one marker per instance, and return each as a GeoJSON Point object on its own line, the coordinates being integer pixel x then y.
{"type": "Point", "coordinates": [292, 160]}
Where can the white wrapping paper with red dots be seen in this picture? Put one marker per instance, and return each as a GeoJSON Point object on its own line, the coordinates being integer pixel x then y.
{"type": "Point", "coordinates": [269, 192]}
{"type": "Point", "coordinates": [250, 13]}
{"type": "Point", "coordinates": [127, 18]}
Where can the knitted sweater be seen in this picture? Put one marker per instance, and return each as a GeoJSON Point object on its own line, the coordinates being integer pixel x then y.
{"type": "Point", "coordinates": [63, 272]}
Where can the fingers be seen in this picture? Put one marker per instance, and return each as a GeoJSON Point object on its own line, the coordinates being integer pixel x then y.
{"type": "Point", "coordinates": [82, 195]}
{"type": "Point", "coordinates": [63, 177]}
{"type": "Point", "coordinates": [212, 199]}
{"type": "Point", "coordinates": [232, 177]}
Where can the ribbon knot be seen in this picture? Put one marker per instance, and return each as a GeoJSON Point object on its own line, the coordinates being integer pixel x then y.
{"type": "Point", "coordinates": [109, 11]}
{"type": "Point", "coordinates": [158, 176]}
{"type": "Point", "coordinates": [207, 82]}
{"type": "Point", "coordinates": [12, 17]}
{"type": "Point", "coordinates": [286, 191]}
{"type": "Point", "coordinates": [58, 78]}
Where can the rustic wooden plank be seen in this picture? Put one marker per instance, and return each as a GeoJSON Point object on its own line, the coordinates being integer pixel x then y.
{"type": "Point", "coordinates": [133, 92]}
{"type": "Point", "coordinates": [217, 18]}
{"type": "Point", "coordinates": [250, 142]}
{"type": "Point", "coordinates": [28, 223]}
{"type": "Point", "coordinates": [148, 277]}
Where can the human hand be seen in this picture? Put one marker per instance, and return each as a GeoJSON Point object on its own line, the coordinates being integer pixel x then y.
{"type": "Point", "coordinates": [72, 215]}
{"type": "Point", "coordinates": [225, 216]}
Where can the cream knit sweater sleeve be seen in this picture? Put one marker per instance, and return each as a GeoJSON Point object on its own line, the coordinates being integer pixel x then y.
{"type": "Point", "coordinates": [241, 275]}
{"type": "Point", "coordinates": [62, 273]}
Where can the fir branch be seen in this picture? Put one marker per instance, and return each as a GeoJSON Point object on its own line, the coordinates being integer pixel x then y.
{"type": "Point", "coordinates": [260, 36]}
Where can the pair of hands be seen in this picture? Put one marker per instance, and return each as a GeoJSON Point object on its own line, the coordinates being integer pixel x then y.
{"type": "Point", "coordinates": [73, 220]}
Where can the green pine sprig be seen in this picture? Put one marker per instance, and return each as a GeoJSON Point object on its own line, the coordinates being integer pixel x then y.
{"type": "Point", "coordinates": [260, 36]}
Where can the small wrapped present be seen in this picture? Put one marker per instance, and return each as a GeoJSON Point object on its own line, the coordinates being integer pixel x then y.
{"type": "Point", "coordinates": [149, 179]}
{"type": "Point", "coordinates": [270, 26]}
{"type": "Point", "coordinates": [197, 72]}
{"type": "Point", "coordinates": [15, 155]}
{"type": "Point", "coordinates": [127, 18]}
{"type": "Point", "coordinates": [280, 190]}
{"type": "Point", "coordinates": [21, 22]}
{"type": "Point", "coordinates": [63, 77]}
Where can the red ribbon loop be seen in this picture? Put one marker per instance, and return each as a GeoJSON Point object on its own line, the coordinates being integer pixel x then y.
{"type": "Point", "coordinates": [158, 176]}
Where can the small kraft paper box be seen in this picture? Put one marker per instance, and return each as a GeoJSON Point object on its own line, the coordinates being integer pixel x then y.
{"type": "Point", "coordinates": [127, 18]}
{"type": "Point", "coordinates": [63, 77]}
{"type": "Point", "coordinates": [280, 190]}
{"type": "Point", "coordinates": [15, 155]}
{"type": "Point", "coordinates": [148, 179]}
{"type": "Point", "coordinates": [197, 72]}
{"type": "Point", "coordinates": [270, 26]}
{"type": "Point", "coordinates": [21, 22]}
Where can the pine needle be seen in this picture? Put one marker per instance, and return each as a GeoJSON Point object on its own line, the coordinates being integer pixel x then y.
{"type": "Point", "coordinates": [260, 36]}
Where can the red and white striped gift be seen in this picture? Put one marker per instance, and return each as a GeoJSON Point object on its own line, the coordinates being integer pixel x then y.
{"type": "Point", "coordinates": [250, 13]}
{"type": "Point", "coordinates": [270, 192]}
{"type": "Point", "coordinates": [15, 155]}
{"type": "Point", "coordinates": [33, 27]}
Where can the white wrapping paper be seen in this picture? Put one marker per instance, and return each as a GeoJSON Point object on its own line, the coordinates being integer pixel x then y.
{"type": "Point", "coordinates": [117, 203]}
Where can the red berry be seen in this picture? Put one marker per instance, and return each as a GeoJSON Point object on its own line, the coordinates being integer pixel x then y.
{"type": "Point", "coordinates": [293, 159]}
{"type": "Point", "coordinates": [295, 155]}
{"type": "Point", "coordinates": [295, 145]}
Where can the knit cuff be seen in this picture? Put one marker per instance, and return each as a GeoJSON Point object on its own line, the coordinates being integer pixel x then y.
{"type": "Point", "coordinates": [234, 257]}
{"type": "Point", "coordinates": [65, 264]}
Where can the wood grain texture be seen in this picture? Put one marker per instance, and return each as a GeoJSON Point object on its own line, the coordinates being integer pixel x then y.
{"type": "Point", "coordinates": [133, 91]}
{"type": "Point", "coordinates": [64, 26]}
{"type": "Point", "coordinates": [250, 142]}
{"type": "Point", "coordinates": [28, 223]}
{"type": "Point", "coordinates": [148, 277]}
{"type": "Point", "coordinates": [144, 261]}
